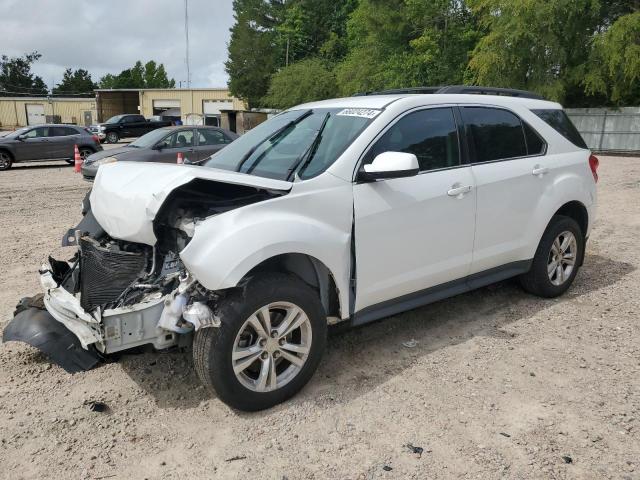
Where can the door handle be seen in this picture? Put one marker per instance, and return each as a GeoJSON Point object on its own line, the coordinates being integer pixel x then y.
{"type": "Point", "coordinates": [458, 191]}
{"type": "Point", "coordinates": [539, 170]}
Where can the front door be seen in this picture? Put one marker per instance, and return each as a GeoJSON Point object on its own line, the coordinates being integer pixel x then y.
{"type": "Point", "coordinates": [178, 142]}
{"type": "Point", "coordinates": [417, 232]}
{"type": "Point", "coordinates": [34, 145]}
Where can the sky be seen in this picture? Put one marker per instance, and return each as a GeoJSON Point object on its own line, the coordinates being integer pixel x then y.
{"type": "Point", "coordinates": [108, 36]}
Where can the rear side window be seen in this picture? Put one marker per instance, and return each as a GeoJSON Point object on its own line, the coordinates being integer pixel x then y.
{"type": "Point", "coordinates": [561, 123]}
{"type": "Point", "coordinates": [62, 131]}
{"type": "Point", "coordinates": [535, 144]}
{"type": "Point", "coordinates": [431, 135]}
{"type": "Point", "coordinates": [496, 134]}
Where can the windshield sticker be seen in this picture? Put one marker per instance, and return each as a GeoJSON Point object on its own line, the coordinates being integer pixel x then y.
{"type": "Point", "coordinates": [359, 112]}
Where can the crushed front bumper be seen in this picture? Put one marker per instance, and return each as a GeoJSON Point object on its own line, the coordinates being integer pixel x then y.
{"type": "Point", "coordinates": [39, 329]}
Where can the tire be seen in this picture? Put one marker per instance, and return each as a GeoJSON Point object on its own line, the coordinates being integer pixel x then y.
{"type": "Point", "coordinates": [6, 160]}
{"type": "Point", "coordinates": [112, 137]}
{"type": "Point", "coordinates": [85, 152]}
{"type": "Point", "coordinates": [213, 348]}
{"type": "Point", "coordinates": [545, 280]}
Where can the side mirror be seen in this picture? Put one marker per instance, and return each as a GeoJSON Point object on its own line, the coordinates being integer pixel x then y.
{"type": "Point", "coordinates": [157, 146]}
{"type": "Point", "coordinates": [21, 137]}
{"type": "Point", "coordinates": [390, 165]}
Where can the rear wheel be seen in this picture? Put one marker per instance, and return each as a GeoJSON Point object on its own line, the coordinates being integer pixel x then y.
{"type": "Point", "coordinates": [5, 160]}
{"type": "Point", "coordinates": [269, 345]}
{"type": "Point", "coordinates": [112, 137]}
{"type": "Point", "coordinates": [556, 261]}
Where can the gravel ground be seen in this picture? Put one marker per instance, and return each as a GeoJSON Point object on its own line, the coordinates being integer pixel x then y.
{"type": "Point", "coordinates": [500, 383]}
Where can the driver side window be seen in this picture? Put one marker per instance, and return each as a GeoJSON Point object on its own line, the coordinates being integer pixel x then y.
{"type": "Point", "coordinates": [431, 135]}
{"type": "Point", "coordinates": [38, 132]}
{"type": "Point", "coordinates": [181, 139]}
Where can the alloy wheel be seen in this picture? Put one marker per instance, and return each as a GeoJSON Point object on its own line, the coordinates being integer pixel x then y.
{"type": "Point", "coordinates": [272, 347]}
{"type": "Point", "coordinates": [562, 258]}
{"type": "Point", "coordinates": [5, 161]}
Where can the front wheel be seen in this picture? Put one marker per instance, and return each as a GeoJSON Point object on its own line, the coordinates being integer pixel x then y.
{"type": "Point", "coordinates": [556, 261]}
{"type": "Point", "coordinates": [269, 344]}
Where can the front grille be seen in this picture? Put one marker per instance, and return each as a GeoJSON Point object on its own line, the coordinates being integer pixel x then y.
{"type": "Point", "coordinates": [105, 272]}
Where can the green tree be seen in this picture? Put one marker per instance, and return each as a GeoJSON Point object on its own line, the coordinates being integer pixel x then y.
{"type": "Point", "coordinates": [75, 82]}
{"type": "Point", "coordinates": [304, 81]}
{"type": "Point", "coordinates": [405, 43]}
{"type": "Point", "coordinates": [536, 44]}
{"type": "Point", "coordinates": [614, 66]}
{"type": "Point", "coordinates": [16, 77]}
{"type": "Point", "coordinates": [254, 53]}
{"type": "Point", "coordinates": [149, 75]}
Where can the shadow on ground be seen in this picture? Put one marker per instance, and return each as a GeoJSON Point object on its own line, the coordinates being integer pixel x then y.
{"type": "Point", "coordinates": [365, 357]}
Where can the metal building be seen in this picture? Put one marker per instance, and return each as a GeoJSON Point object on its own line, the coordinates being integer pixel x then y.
{"type": "Point", "coordinates": [22, 111]}
{"type": "Point", "coordinates": [195, 106]}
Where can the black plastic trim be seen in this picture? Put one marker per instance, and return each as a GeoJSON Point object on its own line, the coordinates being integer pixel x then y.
{"type": "Point", "coordinates": [439, 292]}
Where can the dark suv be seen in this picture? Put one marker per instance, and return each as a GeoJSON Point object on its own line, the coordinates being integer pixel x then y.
{"type": "Point", "coordinates": [46, 142]}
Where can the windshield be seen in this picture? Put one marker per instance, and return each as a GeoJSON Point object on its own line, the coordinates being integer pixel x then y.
{"type": "Point", "coordinates": [18, 132]}
{"type": "Point", "coordinates": [115, 119]}
{"type": "Point", "coordinates": [302, 142]}
{"type": "Point", "coordinates": [150, 139]}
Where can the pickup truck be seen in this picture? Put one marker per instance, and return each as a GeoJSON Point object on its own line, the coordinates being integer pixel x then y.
{"type": "Point", "coordinates": [122, 126]}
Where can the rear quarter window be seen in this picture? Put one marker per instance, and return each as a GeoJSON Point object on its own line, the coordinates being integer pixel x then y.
{"type": "Point", "coordinates": [562, 124]}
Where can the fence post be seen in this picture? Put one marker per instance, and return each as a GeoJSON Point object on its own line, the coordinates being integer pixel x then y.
{"type": "Point", "coordinates": [604, 124]}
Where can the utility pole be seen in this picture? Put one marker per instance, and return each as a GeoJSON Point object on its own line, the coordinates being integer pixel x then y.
{"type": "Point", "coordinates": [186, 36]}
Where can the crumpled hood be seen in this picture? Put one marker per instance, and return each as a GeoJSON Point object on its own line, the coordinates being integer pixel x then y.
{"type": "Point", "coordinates": [127, 196]}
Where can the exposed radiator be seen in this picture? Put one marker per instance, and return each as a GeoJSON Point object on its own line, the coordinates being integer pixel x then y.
{"type": "Point", "coordinates": [105, 272]}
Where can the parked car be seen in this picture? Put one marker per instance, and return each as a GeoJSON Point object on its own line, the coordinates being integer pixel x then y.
{"type": "Point", "coordinates": [196, 144]}
{"type": "Point", "coordinates": [43, 143]}
{"type": "Point", "coordinates": [122, 126]}
{"type": "Point", "coordinates": [346, 210]}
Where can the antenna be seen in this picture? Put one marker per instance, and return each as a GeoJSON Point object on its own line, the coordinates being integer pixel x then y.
{"type": "Point", "coordinates": [186, 36]}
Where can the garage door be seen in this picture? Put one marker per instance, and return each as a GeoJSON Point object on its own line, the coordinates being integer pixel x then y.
{"type": "Point", "coordinates": [213, 107]}
{"type": "Point", "coordinates": [35, 114]}
{"type": "Point", "coordinates": [166, 104]}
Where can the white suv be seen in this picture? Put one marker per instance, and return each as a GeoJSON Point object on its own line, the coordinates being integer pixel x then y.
{"type": "Point", "coordinates": [345, 210]}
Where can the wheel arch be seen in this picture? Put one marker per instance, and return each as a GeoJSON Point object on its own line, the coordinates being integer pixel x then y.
{"type": "Point", "coordinates": [308, 269]}
{"type": "Point", "coordinates": [577, 211]}
{"type": "Point", "coordinates": [7, 150]}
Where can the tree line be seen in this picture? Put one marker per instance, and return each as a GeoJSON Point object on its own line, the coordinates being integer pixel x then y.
{"type": "Point", "coordinates": [16, 78]}
{"type": "Point", "coordinates": [578, 52]}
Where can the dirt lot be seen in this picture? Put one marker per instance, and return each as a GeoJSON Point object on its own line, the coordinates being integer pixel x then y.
{"type": "Point", "coordinates": [500, 384]}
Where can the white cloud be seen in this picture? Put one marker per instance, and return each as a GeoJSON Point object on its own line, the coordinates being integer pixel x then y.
{"type": "Point", "coordinates": [107, 36]}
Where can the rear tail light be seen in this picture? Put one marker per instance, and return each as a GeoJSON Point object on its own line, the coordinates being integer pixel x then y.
{"type": "Point", "coordinates": [593, 165]}
{"type": "Point", "coordinates": [95, 138]}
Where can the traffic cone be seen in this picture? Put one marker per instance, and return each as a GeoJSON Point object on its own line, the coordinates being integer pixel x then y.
{"type": "Point", "coordinates": [77, 161]}
{"type": "Point", "coordinates": [180, 159]}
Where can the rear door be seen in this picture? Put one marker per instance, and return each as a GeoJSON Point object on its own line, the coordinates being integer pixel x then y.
{"type": "Point", "coordinates": [511, 172]}
{"type": "Point", "coordinates": [209, 141]}
{"type": "Point", "coordinates": [62, 140]}
{"type": "Point", "coordinates": [417, 232]}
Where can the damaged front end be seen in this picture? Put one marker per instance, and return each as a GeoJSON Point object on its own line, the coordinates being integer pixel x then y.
{"type": "Point", "coordinates": [126, 285]}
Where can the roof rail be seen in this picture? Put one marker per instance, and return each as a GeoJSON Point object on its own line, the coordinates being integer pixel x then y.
{"type": "Point", "coordinates": [453, 89]}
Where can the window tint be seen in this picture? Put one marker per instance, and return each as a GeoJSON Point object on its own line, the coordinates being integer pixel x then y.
{"type": "Point", "coordinates": [535, 144]}
{"type": "Point", "coordinates": [496, 134]}
{"type": "Point", "coordinates": [181, 139]}
{"type": "Point", "coordinates": [559, 120]}
{"type": "Point", "coordinates": [61, 131]}
{"type": "Point", "coordinates": [431, 135]}
{"type": "Point", "coordinates": [211, 137]}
